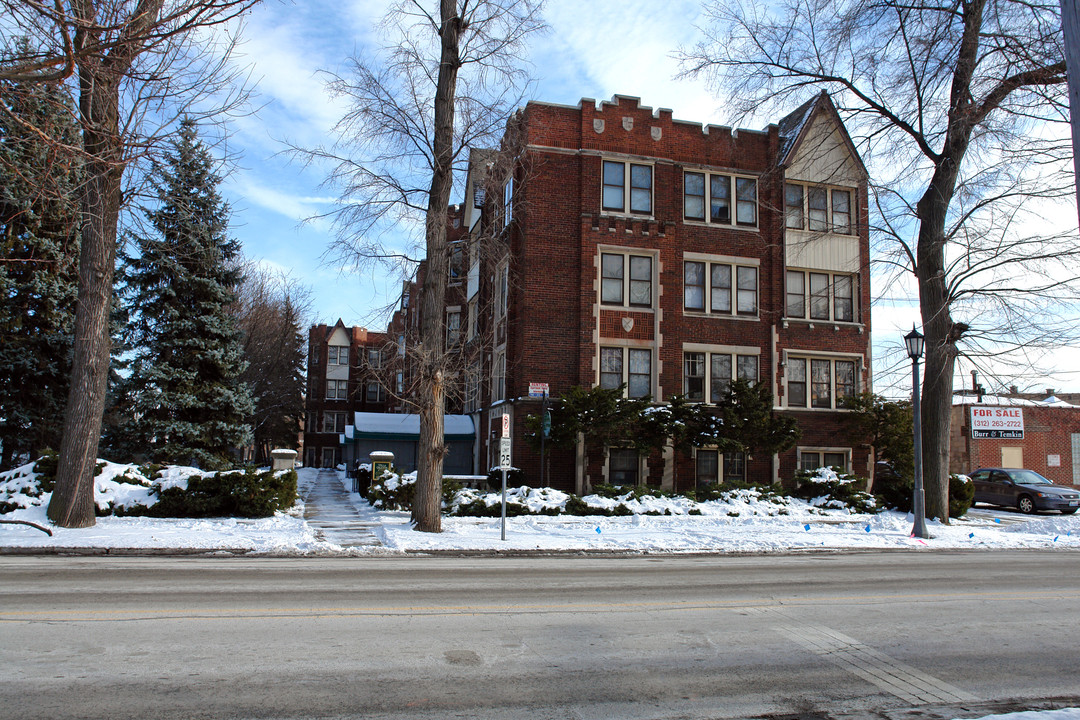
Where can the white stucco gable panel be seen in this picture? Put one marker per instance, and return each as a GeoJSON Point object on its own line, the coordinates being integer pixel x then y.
{"type": "Point", "coordinates": [823, 155]}
{"type": "Point", "coordinates": [821, 251]}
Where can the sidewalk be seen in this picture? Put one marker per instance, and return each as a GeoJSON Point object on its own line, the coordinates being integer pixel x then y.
{"type": "Point", "coordinates": [328, 511]}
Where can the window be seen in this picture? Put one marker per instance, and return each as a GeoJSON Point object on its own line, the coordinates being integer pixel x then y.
{"type": "Point", "coordinates": [829, 383]}
{"type": "Point", "coordinates": [337, 389]}
{"type": "Point", "coordinates": [719, 289]}
{"type": "Point", "coordinates": [502, 283]}
{"type": "Point", "coordinates": [811, 460]}
{"type": "Point", "coordinates": [375, 393]}
{"type": "Point", "coordinates": [470, 331]}
{"type": "Point", "coordinates": [619, 195]}
{"type": "Point", "coordinates": [333, 422]}
{"type": "Point", "coordinates": [817, 208]}
{"type": "Point", "coordinates": [734, 467]}
{"type": "Point", "coordinates": [314, 354]}
{"type": "Point", "coordinates": [707, 467]}
{"type": "Point", "coordinates": [622, 466]}
{"type": "Point", "coordinates": [831, 297]}
{"type": "Point", "coordinates": [399, 382]}
{"type": "Point", "coordinates": [796, 294]}
{"type": "Point", "coordinates": [635, 373]}
{"type": "Point", "coordinates": [616, 284]}
{"type": "Point", "coordinates": [793, 206]}
{"type": "Point", "coordinates": [508, 200]}
{"type": "Point", "coordinates": [694, 376]}
{"type": "Point", "coordinates": [498, 376]}
{"type": "Point", "coordinates": [720, 365]}
{"type": "Point", "coordinates": [453, 327]}
{"type": "Point", "coordinates": [374, 357]}
{"type": "Point", "coordinates": [708, 190]}
{"type": "Point", "coordinates": [456, 263]}
{"type": "Point", "coordinates": [337, 355]}
{"type": "Point", "coordinates": [819, 296]}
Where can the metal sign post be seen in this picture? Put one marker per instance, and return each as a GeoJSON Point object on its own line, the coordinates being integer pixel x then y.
{"type": "Point", "coordinates": [504, 464]}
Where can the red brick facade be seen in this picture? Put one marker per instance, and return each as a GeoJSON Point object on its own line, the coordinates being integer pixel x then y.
{"type": "Point", "coordinates": [557, 325]}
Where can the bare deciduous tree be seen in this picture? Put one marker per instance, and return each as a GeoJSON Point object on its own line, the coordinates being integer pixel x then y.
{"type": "Point", "coordinates": [134, 66]}
{"type": "Point", "coordinates": [958, 109]}
{"type": "Point", "coordinates": [448, 80]}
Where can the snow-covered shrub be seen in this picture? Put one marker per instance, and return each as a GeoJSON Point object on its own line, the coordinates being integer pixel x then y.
{"type": "Point", "coordinates": [961, 495]}
{"type": "Point", "coordinates": [827, 488]}
{"type": "Point", "coordinates": [239, 493]}
{"type": "Point", "coordinates": [896, 493]}
{"type": "Point", "coordinates": [395, 492]}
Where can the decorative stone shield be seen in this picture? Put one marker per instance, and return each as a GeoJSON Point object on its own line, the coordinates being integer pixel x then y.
{"type": "Point", "coordinates": [656, 133]}
{"type": "Point", "coordinates": [628, 324]}
{"type": "Point", "coordinates": [628, 124]}
{"type": "Point", "coordinates": [598, 125]}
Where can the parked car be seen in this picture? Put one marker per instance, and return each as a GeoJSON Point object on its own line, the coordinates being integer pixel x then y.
{"type": "Point", "coordinates": [1026, 490]}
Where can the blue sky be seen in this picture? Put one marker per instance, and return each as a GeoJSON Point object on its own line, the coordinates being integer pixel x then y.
{"type": "Point", "coordinates": [594, 49]}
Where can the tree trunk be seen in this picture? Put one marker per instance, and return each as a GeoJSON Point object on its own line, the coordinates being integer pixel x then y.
{"type": "Point", "coordinates": [427, 501]}
{"type": "Point", "coordinates": [72, 503]}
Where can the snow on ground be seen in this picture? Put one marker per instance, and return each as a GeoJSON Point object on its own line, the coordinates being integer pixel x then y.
{"type": "Point", "coordinates": [1064, 714]}
{"type": "Point", "coordinates": [743, 525]}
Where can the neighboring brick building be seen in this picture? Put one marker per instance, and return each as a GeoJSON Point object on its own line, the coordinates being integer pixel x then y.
{"type": "Point", "coordinates": [1040, 435]}
{"type": "Point", "coordinates": [350, 369]}
{"type": "Point", "coordinates": [672, 257]}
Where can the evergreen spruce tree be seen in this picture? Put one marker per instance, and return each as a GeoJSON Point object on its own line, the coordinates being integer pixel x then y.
{"type": "Point", "coordinates": [39, 254]}
{"type": "Point", "coordinates": [189, 402]}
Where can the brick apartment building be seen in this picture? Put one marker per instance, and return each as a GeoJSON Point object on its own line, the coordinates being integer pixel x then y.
{"type": "Point", "coordinates": [350, 369]}
{"type": "Point", "coordinates": [637, 249]}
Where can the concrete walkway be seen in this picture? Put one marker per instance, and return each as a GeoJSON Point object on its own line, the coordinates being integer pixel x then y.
{"type": "Point", "coordinates": [333, 517]}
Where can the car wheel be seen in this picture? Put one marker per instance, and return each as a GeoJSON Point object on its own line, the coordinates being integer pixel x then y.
{"type": "Point", "coordinates": [1026, 504]}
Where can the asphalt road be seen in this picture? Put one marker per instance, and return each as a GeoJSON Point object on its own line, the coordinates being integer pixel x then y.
{"type": "Point", "coordinates": [897, 635]}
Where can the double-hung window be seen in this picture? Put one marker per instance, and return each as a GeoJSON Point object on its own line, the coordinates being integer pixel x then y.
{"type": "Point", "coordinates": [333, 422]}
{"type": "Point", "coordinates": [337, 389]}
{"type": "Point", "coordinates": [456, 263]}
{"type": "Point", "coordinates": [337, 355]}
{"type": "Point", "coordinates": [627, 187]}
{"type": "Point", "coordinates": [453, 327]}
{"type": "Point", "coordinates": [623, 466]}
{"type": "Point", "coordinates": [629, 366]}
{"type": "Point", "coordinates": [819, 382]}
{"type": "Point", "coordinates": [817, 208]}
{"type": "Point", "coordinates": [831, 296]}
{"type": "Point", "coordinates": [626, 279]}
{"type": "Point", "coordinates": [721, 367]}
{"type": "Point", "coordinates": [374, 392]}
{"type": "Point", "coordinates": [707, 197]}
{"type": "Point", "coordinates": [708, 287]}
{"type": "Point", "coordinates": [811, 460]}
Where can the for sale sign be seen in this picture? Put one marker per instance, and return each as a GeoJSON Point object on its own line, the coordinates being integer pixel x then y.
{"type": "Point", "coordinates": [998, 423]}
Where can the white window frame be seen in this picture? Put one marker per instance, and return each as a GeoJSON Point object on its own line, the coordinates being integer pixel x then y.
{"type": "Point", "coordinates": [337, 389]}
{"type": "Point", "coordinates": [624, 353]}
{"type": "Point", "coordinates": [713, 180]}
{"type": "Point", "coordinates": [738, 359]}
{"type": "Point", "coordinates": [627, 196]}
{"type": "Point", "coordinates": [456, 259]}
{"type": "Point", "coordinates": [502, 289]}
{"type": "Point", "coordinates": [737, 269]}
{"type": "Point", "coordinates": [453, 326]}
{"type": "Point", "coordinates": [834, 194]}
{"type": "Point", "coordinates": [498, 375]}
{"type": "Point", "coordinates": [627, 279]}
{"type": "Point", "coordinates": [793, 359]}
{"type": "Point", "coordinates": [374, 357]}
{"type": "Point", "coordinates": [337, 355]}
{"type": "Point", "coordinates": [832, 299]}
{"type": "Point", "coordinates": [821, 452]}
{"type": "Point", "coordinates": [333, 421]}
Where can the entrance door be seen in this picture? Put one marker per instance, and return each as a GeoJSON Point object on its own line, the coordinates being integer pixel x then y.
{"type": "Point", "coordinates": [328, 457]}
{"type": "Point", "coordinates": [1012, 457]}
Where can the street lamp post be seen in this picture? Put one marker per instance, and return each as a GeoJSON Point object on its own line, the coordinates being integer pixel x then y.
{"type": "Point", "coordinates": [914, 342]}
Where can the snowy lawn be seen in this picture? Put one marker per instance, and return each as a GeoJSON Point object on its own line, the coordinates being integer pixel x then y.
{"type": "Point", "coordinates": [743, 524]}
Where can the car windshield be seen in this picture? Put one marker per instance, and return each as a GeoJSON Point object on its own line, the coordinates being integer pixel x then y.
{"type": "Point", "coordinates": [1028, 477]}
